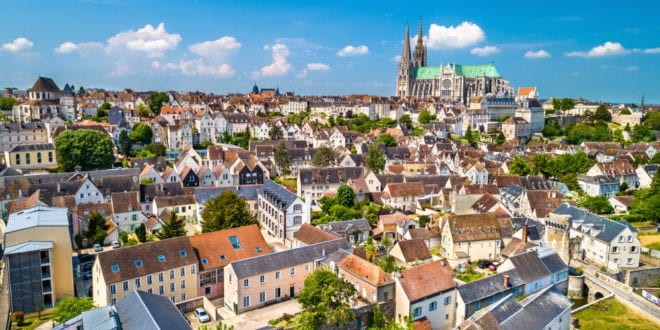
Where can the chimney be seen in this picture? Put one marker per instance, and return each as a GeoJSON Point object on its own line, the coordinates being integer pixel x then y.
{"type": "Point", "coordinates": [506, 281]}
{"type": "Point", "coordinates": [524, 234]}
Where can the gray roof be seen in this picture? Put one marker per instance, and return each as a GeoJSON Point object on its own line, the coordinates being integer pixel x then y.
{"type": "Point", "coordinates": [554, 263]}
{"type": "Point", "coordinates": [505, 308]}
{"type": "Point", "coordinates": [141, 310]}
{"type": "Point", "coordinates": [579, 217]}
{"type": "Point", "coordinates": [598, 179]}
{"type": "Point", "coordinates": [277, 194]}
{"type": "Point", "coordinates": [37, 216]}
{"type": "Point", "coordinates": [344, 226]}
{"type": "Point", "coordinates": [249, 192]}
{"type": "Point", "coordinates": [33, 147]}
{"type": "Point", "coordinates": [491, 285]}
{"type": "Point", "coordinates": [537, 310]}
{"type": "Point", "coordinates": [98, 319]}
{"type": "Point", "coordinates": [328, 174]}
{"type": "Point", "coordinates": [289, 258]}
{"type": "Point", "coordinates": [29, 247]}
{"type": "Point", "coordinates": [529, 266]}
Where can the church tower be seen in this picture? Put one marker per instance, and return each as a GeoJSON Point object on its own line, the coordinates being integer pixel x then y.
{"type": "Point", "coordinates": [419, 57]}
{"type": "Point", "coordinates": [405, 72]}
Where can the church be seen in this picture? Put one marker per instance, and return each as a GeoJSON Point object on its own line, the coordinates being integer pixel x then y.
{"type": "Point", "coordinates": [452, 82]}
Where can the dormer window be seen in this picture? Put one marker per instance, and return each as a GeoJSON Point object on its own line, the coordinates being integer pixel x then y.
{"type": "Point", "coordinates": [205, 261]}
{"type": "Point", "coordinates": [115, 268]}
{"type": "Point", "coordinates": [138, 263]}
{"type": "Point", "coordinates": [183, 253]}
{"type": "Point", "coordinates": [161, 258]}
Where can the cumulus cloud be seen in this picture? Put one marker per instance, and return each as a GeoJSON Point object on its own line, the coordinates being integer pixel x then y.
{"type": "Point", "coordinates": [463, 35]}
{"type": "Point", "coordinates": [216, 47]}
{"type": "Point", "coordinates": [195, 68]}
{"type": "Point", "coordinates": [280, 65]}
{"type": "Point", "coordinates": [313, 67]}
{"type": "Point", "coordinates": [537, 54]}
{"type": "Point", "coordinates": [66, 47]}
{"type": "Point", "coordinates": [484, 51]}
{"type": "Point", "coordinates": [152, 41]}
{"type": "Point", "coordinates": [606, 49]}
{"type": "Point", "coordinates": [121, 69]}
{"type": "Point", "coordinates": [351, 50]}
{"type": "Point", "coordinates": [652, 50]}
{"type": "Point", "coordinates": [17, 45]}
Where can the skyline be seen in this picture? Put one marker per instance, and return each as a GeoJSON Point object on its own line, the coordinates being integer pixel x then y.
{"type": "Point", "coordinates": [318, 48]}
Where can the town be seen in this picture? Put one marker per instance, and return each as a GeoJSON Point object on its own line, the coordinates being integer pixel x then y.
{"type": "Point", "coordinates": [462, 202]}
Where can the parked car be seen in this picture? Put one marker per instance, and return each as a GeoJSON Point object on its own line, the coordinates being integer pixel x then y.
{"type": "Point", "coordinates": [115, 244]}
{"type": "Point", "coordinates": [483, 263]}
{"type": "Point", "coordinates": [201, 315]}
{"type": "Point", "coordinates": [493, 266]}
{"type": "Point", "coordinates": [98, 247]}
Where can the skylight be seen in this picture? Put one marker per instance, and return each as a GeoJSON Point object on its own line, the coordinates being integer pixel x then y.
{"type": "Point", "coordinates": [115, 268]}
{"type": "Point", "coordinates": [205, 261]}
{"type": "Point", "coordinates": [222, 257]}
{"type": "Point", "coordinates": [258, 248]}
{"type": "Point", "coordinates": [234, 242]}
{"type": "Point", "coordinates": [138, 263]}
{"type": "Point", "coordinates": [183, 253]}
{"type": "Point", "coordinates": [161, 258]}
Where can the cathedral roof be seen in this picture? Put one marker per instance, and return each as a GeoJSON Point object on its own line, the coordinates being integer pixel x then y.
{"type": "Point", "coordinates": [45, 85]}
{"type": "Point", "coordinates": [468, 71]}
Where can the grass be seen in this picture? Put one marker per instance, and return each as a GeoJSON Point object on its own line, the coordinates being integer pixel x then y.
{"type": "Point", "coordinates": [642, 223]}
{"type": "Point", "coordinates": [612, 314]}
{"type": "Point", "coordinates": [653, 246]}
{"type": "Point", "coordinates": [650, 241]}
{"type": "Point", "coordinates": [33, 322]}
{"type": "Point", "coordinates": [468, 276]}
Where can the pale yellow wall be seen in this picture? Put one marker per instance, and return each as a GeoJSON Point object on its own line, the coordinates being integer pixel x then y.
{"type": "Point", "coordinates": [10, 159]}
{"type": "Point", "coordinates": [100, 290]}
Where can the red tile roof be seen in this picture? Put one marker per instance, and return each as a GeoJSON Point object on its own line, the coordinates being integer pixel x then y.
{"type": "Point", "coordinates": [365, 270]}
{"type": "Point", "coordinates": [214, 245]}
{"type": "Point", "coordinates": [417, 284]}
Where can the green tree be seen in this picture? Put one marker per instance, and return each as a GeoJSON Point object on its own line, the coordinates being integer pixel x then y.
{"type": "Point", "coordinates": [141, 233]}
{"type": "Point", "coordinates": [70, 307]}
{"type": "Point", "coordinates": [652, 120]}
{"type": "Point", "coordinates": [282, 159]}
{"type": "Point", "coordinates": [405, 120]}
{"type": "Point", "coordinates": [175, 226]}
{"type": "Point", "coordinates": [325, 301]}
{"type": "Point", "coordinates": [520, 166]}
{"type": "Point", "coordinates": [642, 133]}
{"type": "Point", "coordinates": [646, 204]}
{"type": "Point", "coordinates": [7, 103]}
{"type": "Point", "coordinates": [375, 159]}
{"type": "Point", "coordinates": [424, 117]}
{"type": "Point", "coordinates": [226, 211]}
{"type": "Point", "coordinates": [143, 110]}
{"type": "Point", "coordinates": [567, 104]}
{"type": "Point", "coordinates": [345, 195]}
{"type": "Point", "coordinates": [556, 103]}
{"type": "Point", "coordinates": [276, 133]}
{"type": "Point", "coordinates": [597, 204]}
{"type": "Point", "coordinates": [141, 133]}
{"type": "Point", "coordinates": [387, 139]}
{"type": "Point", "coordinates": [323, 156]}
{"type": "Point", "coordinates": [156, 101]}
{"type": "Point", "coordinates": [602, 113]}
{"type": "Point", "coordinates": [125, 144]}
{"type": "Point", "coordinates": [89, 149]}
{"type": "Point", "coordinates": [625, 112]}
{"type": "Point", "coordinates": [157, 149]}
{"type": "Point", "coordinates": [95, 223]}
{"type": "Point", "coordinates": [500, 139]}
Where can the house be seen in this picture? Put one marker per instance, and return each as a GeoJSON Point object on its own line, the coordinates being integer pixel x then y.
{"type": "Point", "coordinates": [430, 235]}
{"type": "Point", "coordinates": [471, 237]}
{"type": "Point", "coordinates": [620, 169]}
{"type": "Point", "coordinates": [403, 196]}
{"type": "Point", "coordinates": [536, 204]}
{"type": "Point", "coordinates": [150, 175]}
{"type": "Point", "coordinates": [411, 252]}
{"type": "Point", "coordinates": [318, 181]}
{"type": "Point", "coordinates": [188, 177]}
{"type": "Point", "coordinates": [184, 206]}
{"type": "Point", "coordinates": [622, 204]}
{"type": "Point", "coordinates": [371, 283]}
{"type": "Point", "coordinates": [355, 231]}
{"type": "Point", "coordinates": [254, 282]}
{"type": "Point", "coordinates": [37, 256]}
{"type": "Point", "coordinates": [127, 211]}
{"type": "Point", "coordinates": [394, 225]}
{"type": "Point", "coordinates": [599, 185]}
{"type": "Point", "coordinates": [167, 268]}
{"type": "Point", "coordinates": [31, 156]}
{"type": "Point", "coordinates": [477, 295]}
{"type": "Point", "coordinates": [142, 310]}
{"type": "Point", "coordinates": [645, 174]}
{"type": "Point", "coordinates": [422, 296]}
{"type": "Point", "coordinates": [531, 270]}
{"type": "Point", "coordinates": [309, 234]}
{"type": "Point", "coordinates": [217, 249]}
{"type": "Point", "coordinates": [516, 128]}
{"type": "Point", "coordinates": [18, 133]}
{"type": "Point", "coordinates": [281, 212]}
{"type": "Point", "coordinates": [578, 234]}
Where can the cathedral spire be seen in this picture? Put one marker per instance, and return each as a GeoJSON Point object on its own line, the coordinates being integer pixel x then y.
{"type": "Point", "coordinates": [419, 57]}
{"type": "Point", "coordinates": [406, 46]}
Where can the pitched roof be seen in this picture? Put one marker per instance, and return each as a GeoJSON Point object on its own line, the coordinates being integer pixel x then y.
{"type": "Point", "coordinates": [517, 246]}
{"type": "Point", "coordinates": [473, 227]}
{"type": "Point", "coordinates": [141, 310]}
{"type": "Point", "coordinates": [406, 189]}
{"type": "Point", "coordinates": [123, 202]}
{"type": "Point", "coordinates": [365, 270]}
{"type": "Point", "coordinates": [414, 249]}
{"type": "Point", "coordinates": [417, 284]}
{"type": "Point", "coordinates": [529, 266]}
{"type": "Point", "coordinates": [310, 234]}
{"type": "Point", "coordinates": [38, 216]}
{"type": "Point", "coordinates": [604, 229]}
{"type": "Point", "coordinates": [276, 194]}
{"type": "Point", "coordinates": [488, 286]}
{"type": "Point", "coordinates": [43, 84]}
{"type": "Point", "coordinates": [216, 249]}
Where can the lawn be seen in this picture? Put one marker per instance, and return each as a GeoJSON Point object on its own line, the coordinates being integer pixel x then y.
{"type": "Point", "coordinates": [651, 241]}
{"type": "Point", "coordinates": [32, 323]}
{"type": "Point", "coordinates": [612, 314]}
{"type": "Point", "coordinates": [468, 276]}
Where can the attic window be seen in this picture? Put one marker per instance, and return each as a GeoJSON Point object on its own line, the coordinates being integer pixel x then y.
{"type": "Point", "coordinates": [115, 268]}
{"type": "Point", "coordinates": [183, 253]}
{"type": "Point", "coordinates": [205, 261]}
{"type": "Point", "coordinates": [234, 242]}
{"type": "Point", "coordinates": [222, 257]}
{"type": "Point", "coordinates": [258, 248]}
{"type": "Point", "coordinates": [161, 258]}
{"type": "Point", "coordinates": [138, 263]}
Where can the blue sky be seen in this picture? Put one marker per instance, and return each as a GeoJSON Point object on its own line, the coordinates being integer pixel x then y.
{"type": "Point", "coordinates": [590, 49]}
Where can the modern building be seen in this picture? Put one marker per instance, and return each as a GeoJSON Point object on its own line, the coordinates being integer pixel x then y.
{"type": "Point", "coordinates": [37, 249]}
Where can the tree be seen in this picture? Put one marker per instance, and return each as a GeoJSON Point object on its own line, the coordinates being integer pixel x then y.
{"type": "Point", "coordinates": [567, 104]}
{"type": "Point", "coordinates": [642, 133]}
{"type": "Point", "coordinates": [405, 121]}
{"type": "Point", "coordinates": [597, 204]}
{"type": "Point", "coordinates": [96, 223]}
{"type": "Point", "coordinates": [175, 226]}
{"type": "Point", "coordinates": [125, 144]}
{"type": "Point", "coordinates": [141, 133]}
{"type": "Point", "coordinates": [424, 117]}
{"type": "Point", "coordinates": [556, 103]}
{"type": "Point", "coordinates": [500, 139]}
{"type": "Point", "coordinates": [141, 233]}
{"type": "Point", "coordinates": [156, 101]}
{"type": "Point", "coordinates": [345, 195]}
{"type": "Point", "coordinates": [228, 210]}
{"type": "Point", "coordinates": [520, 166]}
{"type": "Point", "coordinates": [282, 159]}
{"type": "Point", "coordinates": [652, 120]}
{"type": "Point", "coordinates": [469, 135]}
{"type": "Point", "coordinates": [325, 300]}
{"type": "Point", "coordinates": [89, 149]}
{"type": "Point", "coordinates": [157, 149]}
{"type": "Point", "coordinates": [276, 133]}
{"type": "Point", "coordinates": [143, 110]}
{"type": "Point", "coordinates": [7, 103]}
{"type": "Point", "coordinates": [602, 113]}
{"type": "Point", "coordinates": [375, 158]}
{"type": "Point", "coordinates": [387, 139]}
{"type": "Point", "coordinates": [625, 112]}
{"type": "Point", "coordinates": [70, 307]}
{"type": "Point", "coordinates": [646, 204]}
{"type": "Point", "coordinates": [323, 156]}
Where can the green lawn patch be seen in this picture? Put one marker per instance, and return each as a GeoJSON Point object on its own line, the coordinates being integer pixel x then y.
{"type": "Point", "coordinates": [468, 276]}
{"type": "Point", "coordinates": [612, 314]}
{"type": "Point", "coordinates": [653, 246]}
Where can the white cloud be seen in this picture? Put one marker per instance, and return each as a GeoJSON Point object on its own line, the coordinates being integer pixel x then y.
{"type": "Point", "coordinates": [632, 68]}
{"type": "Point", "coordinates": [317, 67]}
{"type": "Point", "coordinates": [396, 58]}
{"type": "Point", "coordinates": [280, 65]}
{"type": "Point", "coordinates": [152, 41]}
{"type": "Point", "coordinates": [464, 35]}
{"type": "Point", "coordinates": [484, 51]}
{"type": "Point", "coordinates": [606, 49]}
{"type": "Point", "coordinates": [652, 50]}
{"type": "Point", "coordinates": [537, 54]}
{"type": "Point", "coordinates": [351, 50]}
{"type": "Point", "coordinates": [66, 47]}
{"type": "Point", "coordinates": [121, 69]}
{"type": "Point", "coordinates": [17, 45]}
{"type": "Point", "coordinates": [216, 47]}
{"type": "Point", "coordinates": [196, 68]}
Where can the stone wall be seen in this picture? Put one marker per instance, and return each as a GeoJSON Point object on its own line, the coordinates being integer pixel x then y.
{"type": "Point", "coordinates": [576, 287]}
{"type": "Point", "coordinates": [642, 277]}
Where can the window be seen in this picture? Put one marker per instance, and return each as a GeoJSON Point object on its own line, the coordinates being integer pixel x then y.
{"type": "Point", "coordinates": [183, 296]}
{"type": "Point", "coordinates": [477, 305]}
{"type": "Point", "coordinates": [172, 287]}
{"type": "Point", "coordinates": [150, 290]}
{"type": "Point", "coordinates": [293, 271]}
{"type": "Point", "coordinates": [39, 157]}
{"type": "Point", "coordinates": [306, 268]}
{"type": "Point", "coordinates": [113, 289]}
{"type": "Point", "coordinates": [160, 277]}
{"type": "Point", "coordinates": [447, 301]}
{"type": "Point", "coordinates": [207, 290]}
{"type": "Point", "coordinates": [27, 159]}
{"type": "Point", "coordinates": [115, 268]}
{"type": "Point", "coordinates": [234, 242]}
{"type": "Point", "coordinates": [171, 274]}
{"type": "Point", "coordinates": [50, 156]}
{"type": "Point", "coordinates": [222, 257]}
{"type": "Point", "coordinates": [138, 263]}
{"type": "Point", "coordinates": [183, 253]}
{"type": "Point", "coordinates": [173, 298]}
{"type": "Point", "coordinates": [620, 238]}
{"type": "Point", "coordinates": [492, 299]}
{"type": "Point", "coordinates": [278, 292]}
{"type": "Point", "coordinates": [113, 301]}
{"type": "Point", "coordinates": [205, 261]}
{"type": "Point", "coordinates": [262, 297]}
{"type": "Point", "coordinates": [246, 283]}
{"type": "Point", "coordinates": [246, 301]}
{"type": "Point", "coordinates": [193, 269]}
{"type": "Point", "coordinates": [629, 238]}
{"type": "Point", "coordinates": [161, 258]}
{"type": "Point", "coordinates": [161, 289]}
{"type": "Point", "coordinates": [125, 285]}
{"type": "Point", "coordinates": [615, 249]}
{"type": "Point", "coordinates": [277, 275]}
{"type": "Point", "coordinates": [183, 271]}
{"type": "Point", "coordinates": [417, 311]}
{"type": "Point", "coordinates": [262, 279]}
{"type": "Point", "coordinates": [183, 284]}
{"type": "Point", "coordinates": [258, 248]}
{"type": "Point", "coordinates": [150, 280]}
{"type": "Point", "coordinates": [630, 261]}
{"type": "Point", "coordinates": [433, 306]}
{"type": "Point", "coordinates": [633, 249]}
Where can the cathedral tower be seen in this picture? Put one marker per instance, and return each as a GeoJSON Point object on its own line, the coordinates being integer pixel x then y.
{"type": "Point", "coordinates": [405, 72]}
{"type": "Point", "coordinates": [419, 57]}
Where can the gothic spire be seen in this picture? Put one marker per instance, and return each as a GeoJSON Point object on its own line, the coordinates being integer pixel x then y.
{"type": "Point", "coordinates": [406, 46]}
{"type": "Point", "coordinates": [419, 35]}
{"type": "Point", "coordinates": [419, 56]}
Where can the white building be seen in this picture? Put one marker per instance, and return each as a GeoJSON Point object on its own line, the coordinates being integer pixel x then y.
{"type": "Point", "coordinates": [281, 212]}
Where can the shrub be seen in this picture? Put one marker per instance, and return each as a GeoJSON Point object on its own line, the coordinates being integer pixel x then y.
{"type": "Point", "coordinates": [603, 269]}
{"type": "Point", "coordinates": [18, 317]}
{"type": "Point", "coordinates": [579, 271]}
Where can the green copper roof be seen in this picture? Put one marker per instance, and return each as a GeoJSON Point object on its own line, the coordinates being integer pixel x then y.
{"type": "Point", "coordinates": [472, 71]}
{"type": "Point", "coordinates": [468, 71]}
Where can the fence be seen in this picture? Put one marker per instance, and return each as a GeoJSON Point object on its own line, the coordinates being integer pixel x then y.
{"type": "Point", "coordinates": [650, 257]}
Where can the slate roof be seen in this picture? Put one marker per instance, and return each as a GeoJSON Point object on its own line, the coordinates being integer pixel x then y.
{"type": "Point", "coordinates": [98, 319]}
{"type": "Point", "coordinates": [329, 174]}
{"type": "Point", "coordinates": [554, 263]}
{"type": "Point", "coordinates": [417, 284]}
{"type": "Point", "coordinates": [249, 192]}
{"type": "Point", "coordinates": [33, 147]}
{"type": "Point", "coordinates": [43, 84]}
{"type": "Point", "coordinates": [341, 227]}
{"type": "Point", "coordinates": [488, 286]}
{"type": "Point", "coordinates": [214, 249]}
{"type": "Point", "coordinates": [141, 310]}
{"type": "Point", "coordinates": [365, 270]}
{"type": "Point", "coordinates": [580, 218]}
{"type": "Point", "coordinates": [537, 310]}
{"type": "Point", "coordinates": [276, 194]}
{"type": "Point", "coordinates": [529, 266]}
{"type": "Point", "coordinates": [284, 259]}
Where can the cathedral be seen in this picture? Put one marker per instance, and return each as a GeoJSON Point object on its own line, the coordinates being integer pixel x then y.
{"type": "Point", "coordinates": [453, 82]}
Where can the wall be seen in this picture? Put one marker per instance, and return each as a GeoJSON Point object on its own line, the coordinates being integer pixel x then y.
{"type": "Point", "coordinates": [576, 287]}
{"type": "Point", "coordinates": [642, 277]}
